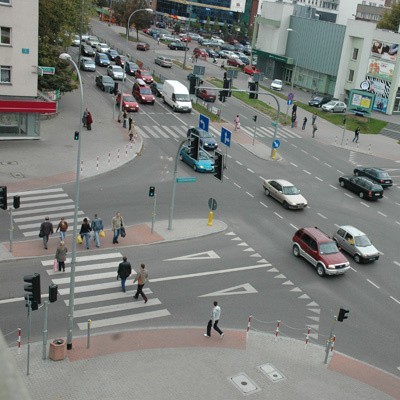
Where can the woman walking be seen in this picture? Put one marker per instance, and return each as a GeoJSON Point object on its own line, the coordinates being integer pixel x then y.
{"type": "Point", "coordinates": [61, 256]}
{"type": "Point", "coordinates": [117, 223]}
{"type": "Point", "coordinates": [85, 231]}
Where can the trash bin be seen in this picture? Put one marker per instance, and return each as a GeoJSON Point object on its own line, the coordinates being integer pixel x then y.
{"type": "Point", "coordinates": [57, 350]}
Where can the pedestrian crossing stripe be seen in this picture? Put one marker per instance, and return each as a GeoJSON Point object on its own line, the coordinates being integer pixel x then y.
{"type": "Point", "coordinates": [93, 257]}
{"type": "Point", "coordinates": [39, 191]}
{"type": "Point", "coordinates": [84, 278]}
{"type": "Point", "coordinates": [93, 267]}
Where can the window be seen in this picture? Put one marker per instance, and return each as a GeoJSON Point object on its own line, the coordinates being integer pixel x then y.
{"type": "Point", "coordinates": [5, 74]}
{"type": "Point", "coordinates": [351, 75]}
{"type": "Point", "coordinates": [5, 1]}
{"type": "Point", "coordinates": [355, 54]}
{"type": "Point", "coordinates": [5, 35]}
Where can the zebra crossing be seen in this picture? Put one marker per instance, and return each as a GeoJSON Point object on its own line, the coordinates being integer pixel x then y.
{"type": "Point", "coordinates": [37, 204]}
{"type": "Point", "coordinates": [98, 294]}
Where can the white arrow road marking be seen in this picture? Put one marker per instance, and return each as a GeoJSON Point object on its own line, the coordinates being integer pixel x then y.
{"type": "Point", "coordinates": [281, 276]}
{"type": "Point", "coordinates": [246, 288]}
{"type": "Point", "coordinates": [316, 319]}
{"type": "Point", "coordinates": [205, 255]}
{"type": "Point", "coordinates": [316, 310]}
{"type": "Point", "coordinates": [296, 289]}
{"type": "Point", "coordinates": [312, 304]}
{"type": "Point", "coordinates": [304, 296]}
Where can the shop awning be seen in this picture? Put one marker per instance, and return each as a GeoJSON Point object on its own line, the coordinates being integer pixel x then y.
{"type": "Point", "coordinates": [28, 106]}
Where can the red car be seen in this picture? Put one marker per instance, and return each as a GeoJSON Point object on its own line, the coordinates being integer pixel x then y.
{"type": "Point", "coordinates": [120, 60]}
{"type": "Point", "coordinates": [142, 46]}
{"type": "Point", "coordinates": [185, 38]}
{"type": "Point", "coordinates": [144, 75]}
{"type": "Point", "coordinates": [206, 95]}
{"type": "Point", "coordinates": [251, 70]}
{"type": "Point", "coordinates": [128, 102]}
{"type": "Point", "coordinates": [201, 53]}
{"type": "Point", "coordinates": [235, 62]}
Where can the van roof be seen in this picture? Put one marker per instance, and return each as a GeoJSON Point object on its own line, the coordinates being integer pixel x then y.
{"type": "Point", "coordinates": [175, 83]}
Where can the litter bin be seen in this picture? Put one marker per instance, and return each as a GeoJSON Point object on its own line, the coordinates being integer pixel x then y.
{"type": "Point", "coordinates": [57, 350]}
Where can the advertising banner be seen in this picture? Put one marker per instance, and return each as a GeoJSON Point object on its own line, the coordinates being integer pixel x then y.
{"type": "Point", "coordinates": [381, 89]}
{"type": "Point", "coordinates": [238, 5]}
{"type": "Point", "coordinates": [384, 51]}
{"type": "Point", "coordinates": [380, 68]}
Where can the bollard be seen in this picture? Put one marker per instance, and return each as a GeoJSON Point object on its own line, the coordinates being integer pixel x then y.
{"type": "Point", "coordinates": [89, 322]}
{"type": "Point", "coordinates": [81, 167]}
{"type": "Point", "coordinates": [369, 149]}
{"type": "Point", "coordinates": [278, 324]}
{"type": "Point", "coordinates": [248, 325]}
{"type": "Point", "coordinates": [210, 218]}
{"type": "Point", "coordinates": [307, 336]}
{"type": "Point", "coordinates": [126, 150]}
{"type": "Point", "coordinates": [273, 154]}
{"type": "Point", "coordinates": [109, 159]}
{"type": "Point", "coordinates": [19, 340]}
{"type": "Point", "coordinates": [97, 163]}
{"type": "Point", "coordinates": [332, 340]}
{"type": "Point", "coordinates": [335, 139]}
{"type": "Point", "coordinates": [347, 142]}
{"type": "Point", "coordinates": [131, 144]}
{"type": "Point", "coordinates": [118, 155]}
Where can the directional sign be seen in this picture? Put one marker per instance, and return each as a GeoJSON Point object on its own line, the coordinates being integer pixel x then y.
{"type": "Point", "coordinates": [185, 180]}
{"type": "Point", "coordinates": [47, 70]}
{"type": "Point", "coordinates": [212, 204]}
{"type": "Point", "coordinates": [204, 122]}
{"type": "Point", "coordinates": [276, 143]}
{"type": "Point", "coordinates": [226, 137]}
{"type": "Point", "coordinates": [199, 70]}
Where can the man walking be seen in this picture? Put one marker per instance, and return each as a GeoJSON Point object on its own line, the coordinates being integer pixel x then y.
{"type": "Point", "coordinates": [141, 278]}
{"type": "Point", "coordinates": [304, 123]}
{"type": "Point", "coordinates": [124, 270]}
{"type": "Point", "coordinates": [46, 229]}
{"type": "Point", "coordinates": [356, 134]}
{"type": "Point", "coordinates": [213, 322]}
{"type": "Point", "coordinates": [314, 129]}
{"type": "Point", "coordinates": [116, 224]}
{"type": "Point", "coordinates": [313, 119]}
{"type": "Point", "coordinates": [97, 227]}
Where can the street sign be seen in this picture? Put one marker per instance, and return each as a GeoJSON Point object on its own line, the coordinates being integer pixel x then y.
{"type": "Point", "coordinates": [47, 70]}
{"type": "Point", "coordinates": [290, 96]}
{"type": "Point", "coordinates": [204, 122]}
{"type": "Point", "coordinates": [289, 102]}
{"type": "Point", "coordinates": [199, 70]}
{"type": "Point", "coordinates": [212, 204]}
{"type": "Point", "coordinates": [276, 143]}
{"type": "Point", "coordinates": [226, 137]}
{"type": "Point", "coordinates": [231, 74]}
{"type": "Point", "coordinates": [186, 180]}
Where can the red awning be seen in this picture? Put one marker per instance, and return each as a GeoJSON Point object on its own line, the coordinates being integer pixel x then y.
{"type": "Point", "coordinates": [26, 106]}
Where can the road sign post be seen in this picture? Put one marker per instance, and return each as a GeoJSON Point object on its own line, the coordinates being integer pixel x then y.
{"type": "Point", "coordinates": [226, 140]}
{"type": "Point", "coordinates": [289, 102]}
{"type": "Point", "coordinates": [204, 122]}
{"type": "Point", "coordinates": [212, 205]}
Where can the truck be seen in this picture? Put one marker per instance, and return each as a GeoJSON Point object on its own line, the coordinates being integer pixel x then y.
{"type": "Point", "coordinates": [176, 95]}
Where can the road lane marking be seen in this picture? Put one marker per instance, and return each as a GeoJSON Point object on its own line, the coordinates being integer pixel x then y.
{"type": "Point", "coordinates": [398, 302]}
{"type": "Point", "coordinates": [340, 172]}
{"type": "Point", "coordinates": [372, 283]}
{"type": "Point", "coordinates": [205, 255]}
{"type": "Point", "coordinates": [364, 204]}
{"type": "Point", "coordinates": [294, 145]}
{"type": "Point", "coordinates": [319, 179]}
{"type": "Point", "coordinates": [250, 170]}
{"type": "Point", "coordinates": [238, 162]}
{"type": "Point", "coordinates": [397, 263]}
{"type": "Point", "coordinates": [322, 216]}
{"type": "Point", "coordinates": [309, 173]}
{"type": "Point", "coordinates": [93, 257]}
{"type": "Point", "coordinates": [353, 268]}
{"type": "Point", "coordinates": [294, 165]}
{"type": "Point", "coordinates": [249, 194]}
{"type": "Point", "coordinates": [29, 192]}
{"type": "Point", "coordinates": [333, 187]}
{"type": "Point", "coordinates": [348, 195]}
{"type": "Point", "coordinates": [278, 215]}
{"type": "Point", "coordinates": [237, 185]}
{"type": "Point", "coordinates": [294, 226]}
{"type": "Point", "coordinates": [330, 166]}
{"type": "Point", "coordinates": [245, 288]}
{"type": "Point", "coordinates": [381, 213]}
{"type": "Point", "coordinates": [315, 158]}
{"type": "Point", "coordinates": [306, 152]}
{"type": "Point", "coordinates": [397, 222]}
{"type": "Point", "coordinates": [263, 204]}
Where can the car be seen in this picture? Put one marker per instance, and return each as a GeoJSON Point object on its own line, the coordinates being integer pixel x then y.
{"type": "Point", "coordinates": [285, 192]}
{"type": "Point", "coordinates": [120, 60]}
{"type": "Point", "coordinates": [163, 61]}
{"type": "Point", "coordinates": [319, 101]}
{"type": "Point", "coordinates": [212, 53]}
{"type": "Point", "coordinates": [142, 46]}
{"type": "Point", "coordinates": [87, 50]}
{"type": "Point", "coordinates": [102, 59]}
{"type": "Point", "coordinates": [87, 64]}
{"type": "Point", "coordinates": [128, 102]}
{"type": "Point", "coordinates": [102, 48]}
{"type": "Point", "coordinates": [191, 74]}
{"type": "Point", "coordinates": [227, 54]}
{"type": "Point", "coordinates": [245, 60]}
{"type": "Point", "coordinates": [238, 47]}
{"type": "Point", "coordinates": [105, 83]}
{"type": "Point", "coordinates": [178, 46]}
{"type": "Point", "coordinates": [92, 41]}
{"type": "Point", "coordinates": [201, 53]}
{"type": "Point", "coordinates": [356, 243]}
{"type": "Point", "coordinates": [362, 186]}
{"type": "Point", "coordinates": [209, 43]}
{"type": "Point", "coordinates": [160, 24]}
{"type": "Point", "coordinates": [186, 39]}
{"type": "Point", "coordinates": [335, 106]}
{"type": "Point", "coordinates": [227, 46]}
{"type": "Point", "coordinates": [378, 175]}
{"type": "Point", "coordinates": [195, 36]}
{"type": "Point", "coordinates": [247, 50]}
{"type": "Point", "coordinates": [319, 250]}
{"type": "Point", "coordinates": [276, 84]}
{"type": "Point", "coordinates": [112, 54]}
{"type": "Point", "coordinates": [235, 62]}
{"type": "Point", "coordinates": [251, 70]}
{"type": "Point", "coordinates": [156, 88]}
{"type": "Point", "coordinates": [207, 140]}
{"type": "Point", "coordinates": [167, 38]}
{"type": "Point", "coordinates": [76, 41]}
{"type": "Point", "coordinates": [204, 162]}
{"type": "Point", "coordinates": [131, 68]}
{"type": "Point", "coordinates": [218, 40]}
{"type": "Point", "coordinates": [206, 95]}
{"type": "Point", "coordinates": [116, 72]}
{"type": "Point", "coordinates": [142, 92]}
{"type": "Point", "coordinates": [144, 75]}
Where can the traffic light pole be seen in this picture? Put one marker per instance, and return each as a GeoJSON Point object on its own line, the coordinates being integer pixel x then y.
{"type": "Point", "coordinates": [45, 331]}
{"type": "Point", "coordinates": [153, 215]}
{"type": "Point", "coordinates": [29, 336]}
{"type": "Point", "coordinates": [330, 340]}
{"type": "Point", "coordinates": [11, 230]}
{"type": "Point", "coordinates": [255, 129]}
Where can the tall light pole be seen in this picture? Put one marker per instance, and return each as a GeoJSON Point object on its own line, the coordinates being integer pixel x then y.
{"type": "Point", "coordinates": [295, 61]}
{"type": "Point", "coordinates": [67, 57]}
{"type": "Point", "coordinates": [150, 10]}
{"type": "Point", "coordinates": [189, 11]}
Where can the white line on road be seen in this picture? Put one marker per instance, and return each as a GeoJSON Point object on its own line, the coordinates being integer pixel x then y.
{"type": "Point", "coordinates": [353, 269]}
{"type": "Point", "coordinates": [372, 283]}
{"type": "Point", "coordinates": [322, 216]}
{"type": "Point", "coordinates": [315, 158]}
{"type": "Point", "coordinates": [333, 187]}
{"type": "Point", "coordinates": [263, 204]}
{"type": "Point", "coordinates": [35, 192]}
{"type": "Point", "coordinates": [330, 166]}
{"type": "Point", "coordinates": [306, 152]}
{"type": "Point", "coordinates": [84, 278]}
{"type": "Point", "coordinates": [237, 185]}
{"type": "Point", "coordinates": [319, 179]}
{"type": "Point", "coordinates": [238, 162]}
{"type": "Point", "coordinates": [348, 195]}
{"type": "Point", "coordinates": [93, 257]}
{"type": "Point", "coordinates": [279, 216]}
{"type": "Point", "coordinates": [397, 263]}
{"type": "Point", "coordinates": [250, 194]}
{"type": "Point", "coordinates": [364, 204]}
{"type": "Point", "coordinates": [294, 165]}
{"type": "Point", "coordinates": [397, 222]}
{"type": "Point", "coordinates": [381, 213]}
{"type": "Point", "coordinates": [250, 170]}
{"type": "Point", "coordinates": [309, 173]}
{"type": "Point", "coordinates": [398, 302]}
{"type": "Point", "coordinates": [340, 172]}
{"type": "Point", "coordinates": [294, 145]}
{"type": "Point", "coordinates": [294, 226]}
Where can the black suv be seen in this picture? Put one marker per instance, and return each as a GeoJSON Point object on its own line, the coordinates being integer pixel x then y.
{"type": "Point", "coordinates": [319, 101]}
{"type": "Point", "coordinates": [378, 175]}
{"type": "Point", "coordinates": [207, 140]}
{"type": "Point", "coordinates": [178, 46]}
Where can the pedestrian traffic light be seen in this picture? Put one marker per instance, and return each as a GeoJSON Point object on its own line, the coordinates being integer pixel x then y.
{"type": "Point", "coordinates": [33, 289]}
{"type": "Point", "coordinates": [255, 118]}
{"type": "Point", "coordinates": [3, 197]}
{"type": "Point", "coordinates": [194, 146]}
{"type": "Point", "coordinates": [222, 96]}
{"type": "Point", "coordinates": [16, 202]}
{"type": "Point", "coordinates": [193, 84]}
{"type": "Point", "coordinates": [342, 314]}
{"type": "Point", "coordinates": [227, 85]}
{"type": "Point", "coordinates": [219, 165]}
{"type": "Point", "coordinates": [253, 88]}
{"type": "Point", "coordinates": [152, 191]}
{"type": "Point", "coordinates": [53, 293]}
{"type": "Point", "coordinates": [76, 135]}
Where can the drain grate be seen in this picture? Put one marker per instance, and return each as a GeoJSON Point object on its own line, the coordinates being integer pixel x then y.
{"type": "Point", "coordinates": [244, 384]}
{"type": "Point", "coordinates": [272, 373]}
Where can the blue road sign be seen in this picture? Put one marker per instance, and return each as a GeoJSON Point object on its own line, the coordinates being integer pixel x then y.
{"type": "Point", "coordinates": [276, 143]}
{"type": "Point", "coordinates": [204, 122]}
{"type": "Point", "coordinates": [226, 137]}
{"type": "Point", "coordinates": [289, 102]}
{"type": "Point", "coordinates": [185, 180]}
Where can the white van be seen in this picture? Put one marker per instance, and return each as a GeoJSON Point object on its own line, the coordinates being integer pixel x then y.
{"type": "Point", "coordinates": [177, 96]}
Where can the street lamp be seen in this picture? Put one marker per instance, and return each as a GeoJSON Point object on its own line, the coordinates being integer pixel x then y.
{"type": "Point", "coordinates": [295, 61]}
{"type": "Point", "coordinates": [150, 10]}
{"type": "Point", "coordinates": [67, 57]}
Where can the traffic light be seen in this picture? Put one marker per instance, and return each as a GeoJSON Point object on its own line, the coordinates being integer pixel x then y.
{"type": "Point", "coordinates": [16, 202]}
{"type": "Point", "coordinates": [255, 118]}
{"type": "Point", "coordinates": [33, 289]}
{"type": "Point", "coordinates": [152, 191]}
{"type": "Point", "coordinates": [219, 165]}
{"type": "Point", "coordinates": [253, 86]}
{"type": "Point", "coordinates": [53, 293]}
{"type": "Point", "coordinates": [193, 84]}
{"type": "Point", "coordinates": [3, 197]}
{"type": "Point", "coordinates": [76, 135]}
{"type": "Point", "coordinates": [342, 314]}
{"type": "Point", "coordinates": [227, 85]}
{"type": "Point", "coordinates": [222, 96]}
{"type": "Point", "coordinates": [194, 146]}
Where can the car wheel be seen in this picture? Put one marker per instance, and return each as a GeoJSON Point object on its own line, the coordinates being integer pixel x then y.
{"type": "Point", "coordinates": [296, 250]}
{"type": "Point", "coordinates": [342, 183]}
{"type": "Point", "coordinates": [285, 205]}
{"type": "Point", "coordinates": [267, 193]}
{"type": "Point", "coordinates": [320, 270]}
{"type": "Point", "coordinates": [173, 108]}
{"type": "Point", "coordinates": [361, 194]}
{"type": "Point", "coordinates": [357, 258]}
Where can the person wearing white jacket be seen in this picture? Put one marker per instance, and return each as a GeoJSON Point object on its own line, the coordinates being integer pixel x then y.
{"type": "Point", "coordinates": [213, 322]}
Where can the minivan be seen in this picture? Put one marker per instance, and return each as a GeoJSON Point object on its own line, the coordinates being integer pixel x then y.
{"type": "Point", "coordinates": [102, 59]}
{"type": "Point", "coordinates": [177, 96]}
{"type": "Point", "coordinates": [142, 93]}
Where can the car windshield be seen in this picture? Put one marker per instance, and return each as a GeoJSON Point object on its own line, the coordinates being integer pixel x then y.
{"type": "Point", "coordinates": [205, 134]}
{"type": "Point", "coordinates": [145, 91]}
{"type": "Point", "coordinates": [117, 69]}
{"type": "Point", "coordinates": [107, 79]}
{"type": "Point", "coordinates": [159, 86]}
{"type": "Point", "coordinates": [383, 174]}
{"type": "Point", "coordinates": [182, 97]}
{"type": "Point", "coordinates": [317, 98]}
{"type": "Point", "coordinates": [129, 98]}
{"type": "Point", "coordinates": [203, 156]}
{"type": "Point", "coordinates": [147, 73]}
{"type": "Point", "coordinates": [290, 190]}
{"type": "Point", "coordinates": [362, 241]}
{"type": "Point", "coordinates": [102, 55]}
{"type": "Point", "coordinates": [328, 248]}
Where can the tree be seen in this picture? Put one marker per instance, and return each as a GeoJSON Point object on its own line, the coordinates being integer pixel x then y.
{"type": "Point", "coordinates": [207, 24]}
{"type": "Point", "coordinates": [391, 18]}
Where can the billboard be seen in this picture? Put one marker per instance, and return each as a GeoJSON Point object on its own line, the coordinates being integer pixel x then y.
{"type": "Point", "coordinates": [381, 89]}
{"type": "Point", "coordinates": [385, 51]}
{"type": "Point", "coordinates": [360, 100]}
{"type": "Point", "coordinates": [380, 68]}
{"type": "Point", "coordinates": [238, 5]}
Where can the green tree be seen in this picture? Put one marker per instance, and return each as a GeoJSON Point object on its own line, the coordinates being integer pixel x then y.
{"type": "Point", "coordinates": [391, 18]}
{"type": "Point", "coordinates": [177, 27]}
{"type": "Point", "coordinates": [207, 24]}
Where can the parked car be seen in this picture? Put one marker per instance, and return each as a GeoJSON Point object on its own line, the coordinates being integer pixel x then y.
{"type": "Point", "coordinates": [319, 101]}
{"type": "Point", "coordinates": [245, 60]}
{"type": "Point", "coordinates": [206, 95]}
{"type": "Point", "coordinates": [120, 60]}
{"type": "Point", "coordinates": [362, 186]}
{"type": "Point", "coordinates": [92, 41]}
{"type": "Point", "coordinates": [334, 106]}
{"type": "Point", "coordinates": [142, 92]}
{"type": "Point", "coordinates": [247, 50]}
{"type": "Point", "coordinates": [207, 140]}
{"type": "Point", "coordinates": [142, 46]}
{"type": "Point", "coordinates": [276, 84]}
{"type": "Point", "coordinates": [129, 103]}
{"type": "Point", "coordinates": [178, 46]}
{"type": "Point", "coordinates": [112, 54]}
{"type": "Point", "coordinates": [116, 72]}
{"type": "Point", "coordinates": [235, 62]}
{"type": "Point", "coordinates": [144, 75]}
{"type": "Point", "coordinates": [76, 41]}
{"type": "Point", "coordinates": [378, 175]}
{"type": "Point", "coordinates": [105, 83]}
{"type": "Point", "coordinates": [285, 192]}
{"type": "Point", "coordinates": [251, 70]}
{"type": "Point", "coordinates": [102, 59]}
{"type": "Point", "coordinates": [87, 50]}
{"type": "Point", "coordinates": [201, 53]}
{"type": "Point", "coordinates": [319, 250]}
{"type": "Point", "coordinates": [195, 36]}
{"type": "Point", "coordinates": [186, 39]}
{"type": "Point", "coordinates": [131, 68]}
{"type": "Point", "coordinates": [227, 46]}
{"type": "Point", "coordinates": [163, 61]}
{"type": "Point", "coordinates": [356, 243]}
{"type": "Point", "coordinates": [87, 64]}
{"type": "Point", "coordinates": [156, 88]}
{"type": "Point", "coordinates": [227, 54]}
{"type": "Point", "coordinates": [204, 163]}
{"type": "Point", "coordinates": [212, 53]}
{"type": "Point", "coordinates": [102, 48]}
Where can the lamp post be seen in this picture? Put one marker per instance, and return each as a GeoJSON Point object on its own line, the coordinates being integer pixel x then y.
{"type": "Point", "coordinates": [295, 62]}
{"type": "Point", "coordinates": [67, 57]}
{"type": "Point", "coordinates": [126, 54]}
{"type": "Point", "coordinates": [189, 11]}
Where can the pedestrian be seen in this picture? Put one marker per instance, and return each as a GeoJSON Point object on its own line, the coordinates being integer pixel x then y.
{"type": "Point", "coordinates": [294, 108]}
{"type": "Point", "coordinates": [304, 123]}
{"type": "Point", "coordinates": [61, 256]}
{"type": "Point", "coordinates": [214, 60]}
{"type": "Point", "coordinates": [84, 118]}
{"type": "Point", "coordinates": [223, 65]}
{"type": "Point", "coordinates": [124, 119]}
{"type": "Point", "coordinates": [124, 270]}
{"type": "Point", "coordinates": [141, 278]}
{"type": "Point", "coordinates": [158, 40]}
{"type": "Point", "coordinates": [97, 227]}
{"type": "Point", "coordinates": [213, 322]}
{"type": "Point", "coordinates": [356, 134]}
{"type": "Point", "coordinates": [293, 120]}
{"type": "Point", "coordinates": [62, 227]}
{"type": "Point", "coordinates": [46, 229]}
{"type": "Point", "coordinates": [237, 123]}
{"type": "Point", "coordinates": [130, 120]}
{"type": "Point", "coordinates": [313, 118]}
{"type": "Point", "coordinates": [117, 223]}
{"type": "Point", "coordinates": [89, 121]}
{"type": "Point", "coordinates": [196, 57]}
{"type": "Point", "coordinates": [314, 129]}
{"type": "Point", "coordinates": [85, 232]}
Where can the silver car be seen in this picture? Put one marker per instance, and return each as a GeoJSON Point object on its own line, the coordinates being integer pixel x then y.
{"type": "Point", "coordinates": [116, 72]}
{"type": "Point", "coordinates": [335, 106]}
{"type": "Point", "coordinates": [356, 243]}
{"type": "Point", "coordinates": [285, 192]}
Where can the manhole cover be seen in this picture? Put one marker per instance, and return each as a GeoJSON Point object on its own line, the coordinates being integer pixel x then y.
{"type": "Point", "coordinates": [244, 384]}
{"type": "Point", "coordinates": [272, 373]}
{"type": "Point", "coordinates": [17, 175]}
